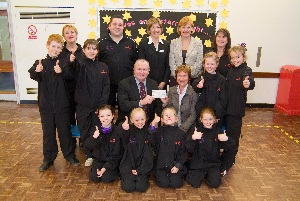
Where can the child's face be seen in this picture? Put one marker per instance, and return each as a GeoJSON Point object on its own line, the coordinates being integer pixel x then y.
{"type": "Point", "coordinates": [70, 35]}
{"type": "Point", "coordinates": [90, 51]}
{"type": "Point", "coordinates": [210, 65]}
{"type": "Point", "coordinates": [169, 117]}
{"type": "Point", "coordinates": [54, 48]}
{"type": "Point", "coordinates": [236, 58]}
{"type": "Point", "coordinates": [105, 117]}
{"type": "Point", "coordinates": [138, 119]}
{"type": "Point", "coordinates": [207, 120]}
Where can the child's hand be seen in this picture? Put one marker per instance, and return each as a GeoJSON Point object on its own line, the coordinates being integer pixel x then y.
{"type": "Point", "coordinates": [197, 135]}
{"type": "Point", "coordinates": [155, 121]}
{"type": "Point", "coordinates": [246, 82]}
{"type": "Point", "coordinates": [200, 84]}
{"type": "Point", "coordinates": [100, 172]}
{"type": "Point", "coordinates": [39, 67]}
{"type": "Point", "coordinates": [96, 133]}
{"type": "Point", "coordinates": [57, 68]}
{"type": "Point", "coordinates": [165, 100]}
{"type": "Point", "coordinates": [125, 125]}
{"type": "Point", "coordinates": [72, 57]}
{"type": "Point", "coordinates": [174, 170]}
{"type": "Point", "coordinates": [223, 137]}
{"type": "Point", "coordinates": [134, 172]}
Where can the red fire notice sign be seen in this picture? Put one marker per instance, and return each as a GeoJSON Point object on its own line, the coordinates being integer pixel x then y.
{"type": "Point", "coordinates": [32, 30]}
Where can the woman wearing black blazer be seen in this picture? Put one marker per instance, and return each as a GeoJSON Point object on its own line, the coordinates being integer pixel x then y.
{"type": "Point", "coordinates": [156, 51]}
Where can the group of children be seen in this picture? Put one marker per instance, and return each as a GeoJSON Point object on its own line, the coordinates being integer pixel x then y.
{"type": "Point", "coordinates": [133, 150]}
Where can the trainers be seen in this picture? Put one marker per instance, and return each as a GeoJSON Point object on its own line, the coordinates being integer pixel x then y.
{"type": "Point", "coordinates": [88, 162]}
{"type": "Point", "coordinates": [223, 173]}
{"type": "Point", "coordinates": [45, 166]}
{"type": "Point", "coordinates": [74, 162]}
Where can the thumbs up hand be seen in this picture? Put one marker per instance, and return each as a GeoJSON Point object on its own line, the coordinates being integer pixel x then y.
{"type": "Point", "coordinates": [223, 137]}
{"type": "Point", "coordinates": [57, 68]}
{"type": "Point", "coordinates": [39, 67]}
{"type": "Point", "coordinates": [155, 121]}
{"type": "Point", "coordinates": [246, 82]}
{"type": "Point", "coordinates": [197, 135]}
{"type": "Point", "coordinates": [125, 125]}
{"type": "Point", "coordinates": [201, 83]}
{"type": "Point", "coordinates": [96, 133]}
{"type": "Point", "coordinates": [72, 57]}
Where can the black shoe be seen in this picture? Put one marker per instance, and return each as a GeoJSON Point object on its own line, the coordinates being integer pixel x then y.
{"type": "Point", "coordinates": [74, 161]}
{"type": "Point", "coordinates": [45, 166]}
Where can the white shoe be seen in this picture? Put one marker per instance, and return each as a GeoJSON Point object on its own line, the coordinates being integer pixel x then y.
{"type": "Point", "coordinates": [88, 162]}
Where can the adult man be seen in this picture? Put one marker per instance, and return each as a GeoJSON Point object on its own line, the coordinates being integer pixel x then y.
{"type": "Point", "coordinates": [130, 92]}
{"type": "Point", "coordinates": [119, 53]}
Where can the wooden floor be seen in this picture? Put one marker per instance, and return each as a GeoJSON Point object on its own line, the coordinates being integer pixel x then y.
{"type": "Point", "coordinates": [267, 166]}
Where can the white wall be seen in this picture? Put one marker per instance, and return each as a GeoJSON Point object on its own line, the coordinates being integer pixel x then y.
{"type": "Point", "coordinates": [273, 25]}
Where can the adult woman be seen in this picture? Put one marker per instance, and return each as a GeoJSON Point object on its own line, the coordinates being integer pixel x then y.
{"type": "Point", "coordinates": [185, 50]}
{"type": "Point", "coordinates": [156, 51]}
{"type": "Point", "coordinates": [183, 98]}
{"type": "Point", "coordinates": [221, 45]}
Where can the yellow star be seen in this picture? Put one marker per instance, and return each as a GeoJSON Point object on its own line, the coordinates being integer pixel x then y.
{"type": "Point", "coordinates": [128, 32]}
{"type": "Point", "coordinates": [143, 2]}
{"type": "Point", "coordinates": [197, 38]}
{"type": "Point", "coordinates": [114, 1]}
{"type": "Point", "coordinates": [92, 23]}
{"type": "Point", "coordinates": [92, 11]}
{"type": "Point", "coordinates": [170, 30]}
{"type": "Point", "coordinates": [156, 14]}
{"type": "Point", "coordinates": [224, 2]}
{"type": "Point", "coordinates": [208, 22]}
{"type": "Point", "coordinates": [91, 1]}
{"type": "Point", "coordinates": [142, 31]}
{"type": "Point", "coordinates": [101, 2]}
{"type": "Point", "coordinates": [172, 2]}
{"type": "Point", "coordinates": [157, 3]}
{"type": "Point", "coordinates": [106, 19]}
{"type": "Point", "coordinates": [199, 2]}
{"type": "Point", "coordinates": [162, 36]}
{"type": "Point", "coordinates": [224, 13]}
{"type": "Point", "coordinates": [127, 3]}
{"type": "Point", "coordinates": [186, 4]}
{"type": "Point", "coordinates": [214, 5]}
{"type": "Point", "coordinates": [207, 43]}
{"type": "Point", "coordinates": [126, 16]}
{"type": "Point", "coordinates": [193, 17]}
{"type": "Point", "coordinates": [138, 40]}
{"type": "Point", "coordinates": [223, 25]}
{"type": "Point", "coordinates": [92, 35]}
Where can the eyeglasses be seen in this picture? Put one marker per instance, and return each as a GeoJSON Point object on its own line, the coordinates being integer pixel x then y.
{"type": "Point", "coordinates": [169, 115]}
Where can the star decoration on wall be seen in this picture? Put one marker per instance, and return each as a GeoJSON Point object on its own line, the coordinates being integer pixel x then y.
{"type": "Point", "coordinates": [207, 43]}
{"type": "Point", "coordinates": [138, 40]}
{"type": "Point", "coordinates": [92, 23]}
{"type": "Point", "coordinates": [92, 11]}
{"type": "Point", "coordinates": [91, 1]}
{"type": "Point", "coordinates": [209, 22]}
{"type": "Point", "coordinates": [199, 2]}
{"type": "Point", "coordinates": [127, 3]}
{"type": "Point", "coordinates": [128, 32]}
{"type": "Point", "coordinates": [92, 35]}
{"type": "Point", "coordinates": [143, 2]}
{"type": "Point", "coordinates": [193, 17]}
{"type": "Point", "coordinates": [157, 3]}
{"type": "Point", "coordinates": [224, 13]}
{"type": "Point", "coordinates": [162, 36]}
{"type": "Point", "coordinates": [172, 2]}
{"type": "Point", "coordinates": [114, 1]}
{"type": "Point", "coordinates": [197, 38]}
{"type": "Point", "coordinates": [186, 4]}
{"type": "Point", "coordinates": [224, 2]}
{"type": "Point", "coordinates": [142, 31]}
{"type": "Point", "coordinates": [106, 19]}
{"type": "Point", "coordinates": [223, 25]}
{"type": "Point", "coordinates": [156, 14]}
{"type": "Point", "coordinates": [126, 16]}
{"type": "Point", "coordinates": [169, 30]}
{"type": "Point", "coordinates": [101, 2]}
{"type": "Point", "coordinates": [214, 5]}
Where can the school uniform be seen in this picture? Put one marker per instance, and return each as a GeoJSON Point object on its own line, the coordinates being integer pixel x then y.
{"type": "Point", "coordinates": [137, 156]}
{"type": "Point", "coordinates": [53, 105]}
{"type": "Point", "coordinates": [224, 65]}
{"type": "Point", "coordinates": [170, 152]}
{"type": "Point", "coordinates": [205, 162]}
{"type": "Point", "coordinates": [107, 153]}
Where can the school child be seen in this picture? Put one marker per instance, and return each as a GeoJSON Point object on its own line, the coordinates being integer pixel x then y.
{"type": "Point", "coordinates": [171, 154]}
{"type": "Point", "coordinates": [92, 90]}
{"type": "Point", "coordinates": [137, 161]}
{"type": "Point", "coordinates": [205, 145]}
{"type": "Point", "coordinates": [107, 147]}
{"type": "Point", "coordinates": [239, 80]}
{"type": "Point", "coordinates": [53, 103]}
{"type": "Point", "coordinates": [210, 86]}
